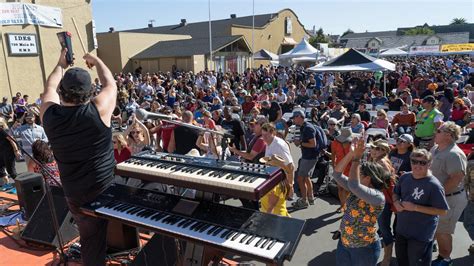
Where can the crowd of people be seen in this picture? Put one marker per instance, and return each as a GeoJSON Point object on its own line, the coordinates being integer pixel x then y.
{"type": "Point", "coordinates": [390, 138]}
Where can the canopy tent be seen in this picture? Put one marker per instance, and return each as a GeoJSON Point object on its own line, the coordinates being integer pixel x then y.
{"type": "Point", "coordinates": [354, 60]}
{"type": "Point", "coordinates": [265, 55]}
{"type": "Point", "coordinates": [394, 52]}
{"type": "Point", "coordinates": [302, 50]}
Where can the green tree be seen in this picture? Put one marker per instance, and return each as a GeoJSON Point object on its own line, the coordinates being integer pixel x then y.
{"type": "Point", "coordinates": [347, 32]}
{"type": "Point", "coordinates": [458, 21]}
{"type": "Point", "coordinates": [320, 37]}
{"type": "Point", "coordinates": [420, 31]}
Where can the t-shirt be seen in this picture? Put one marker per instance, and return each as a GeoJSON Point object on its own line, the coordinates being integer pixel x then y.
{"type": "Point", "coordinates": [400, 162]}
{"type": "Point", "coordinates": [404, 119]}
{"type": "Point", "coordinates": [448, 161]}
{"type": "Point", "coordinates": [308, 132]}
{"type": "Point", "coordinates": [82, 146]}
{"type": "Point", "coordinates": [364, 115]}
{"type": "Point", "coordinates": [235, 128]}
{"type": "Point", "coordinates": [395, 105]}
{"type": "Point", "coordinates": [427, 191]}
{"type": "Point", "coordinates": [5, 145]}
{"type": "Point", "coordinates": [6, 110]}
{"type": "Point", "coordinates": [124, 155]}
{"type": "Point", "coordinates": [185, 139]}
{"type": "Point", "coordinates": [279, 147]}
{"type": "Point", "coordinates": [166, 130]}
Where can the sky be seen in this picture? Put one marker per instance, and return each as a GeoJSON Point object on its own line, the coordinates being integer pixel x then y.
{"type": "Point", "coordinates": [333, 16]}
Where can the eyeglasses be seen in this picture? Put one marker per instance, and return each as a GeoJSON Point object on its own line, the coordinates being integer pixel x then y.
{"type": "Point", "coordinates": [418, 162]}
{"type": "Point", "coordinates": [134, 132]}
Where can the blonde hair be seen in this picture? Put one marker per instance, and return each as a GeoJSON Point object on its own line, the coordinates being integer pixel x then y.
{"type": "Point", "coordinates": [3, 123]}
{"type": "Point", "coordinates": [121, 142]}
{"type": "Point", "coordinates": [382, 111]}
{"type": "Point", "coordinates": [451, 128]}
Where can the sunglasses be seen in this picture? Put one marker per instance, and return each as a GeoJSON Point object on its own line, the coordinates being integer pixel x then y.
{"type": "Point", "coordinates": [377, 148]}
{"type": "Point", "coordinates": [401, 141]}
{"type": "Point", "coordinates": [332, 124]}
{"type": "Point", "coordinates": [134, 132]}
{"type": "Point", "coordinates": [418, 162]}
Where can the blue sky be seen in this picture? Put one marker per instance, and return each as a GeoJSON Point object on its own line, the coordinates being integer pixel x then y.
{"type": "Point", "coordinates": [334, 16]}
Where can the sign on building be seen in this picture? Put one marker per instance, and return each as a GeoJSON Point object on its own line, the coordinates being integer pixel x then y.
{"type": "Point", "coordinates": [425, 49]}
{"type": "Point", "coordinates": [22, 44]}
{"type": "Point", "coordinates": [288, 26]}
{"type": "Point", "coordinates": [460, 47]}
{"type": "Point", "coordinates": [22, 13]}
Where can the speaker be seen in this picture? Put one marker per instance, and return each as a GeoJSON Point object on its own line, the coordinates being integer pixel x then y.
{"type": "Point", "coordinates": [40, 229]}
{"type": "Point", "coordinates": [160, 250]}
{"type": "Point", "coordinates": [30, 190]}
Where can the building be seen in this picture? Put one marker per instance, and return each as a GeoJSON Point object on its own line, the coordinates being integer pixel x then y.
{"type": "Point", "coordinates": [30, 52]}
{"type": "Point", "coordinates": [375, 41]}
{"type": "Point", "coordinates": [186, 45]}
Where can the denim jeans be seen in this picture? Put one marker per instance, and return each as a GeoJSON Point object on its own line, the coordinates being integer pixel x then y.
{"type": "Point", "coordinates": [364, 256]}
{"type": "Point", "coordinates": [385, 220]}
{"type": "Point", "coordinates": [468, 220]}
{"type": "Point", "coordinates": [411, 252]}
{"type": "Point", "coordinates": [92, 231]}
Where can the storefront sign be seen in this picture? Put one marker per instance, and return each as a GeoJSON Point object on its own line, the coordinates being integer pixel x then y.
{"type": "Point", "coordinates": [21, 14]}
{"type": "Point", "coordinates": [460, 47]}
{"type": "Point", "coordinates": [427, 49]}
{"type": "Point", "coordinates": [22, 44]}
{"type": "Point", "coordinates": [288, 26]}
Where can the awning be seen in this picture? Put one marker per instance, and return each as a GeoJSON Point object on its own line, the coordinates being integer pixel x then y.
{"type": "Point", "coordinates": [289, 41]}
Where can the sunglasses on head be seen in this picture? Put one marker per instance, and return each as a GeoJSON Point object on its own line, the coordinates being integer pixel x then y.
{"type": "Point", "coordinates": [418, 162]}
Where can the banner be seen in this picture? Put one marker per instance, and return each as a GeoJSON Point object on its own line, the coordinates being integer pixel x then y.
{"type": "Point", "coordinates": [426, 49]}
{"type": "Point", "coordinates": [460, 47]}
{"type": "Point", "coordinates": [21, 14]}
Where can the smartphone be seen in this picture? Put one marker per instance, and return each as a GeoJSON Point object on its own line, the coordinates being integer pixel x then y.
{"type": "Point", "coordinates": [66, 42]}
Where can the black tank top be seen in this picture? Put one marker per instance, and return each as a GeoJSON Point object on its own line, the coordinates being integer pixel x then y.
{"type": "Point", "coordinates": [82, 146]}
{"type": "Point", "coordinates": [185, 139]}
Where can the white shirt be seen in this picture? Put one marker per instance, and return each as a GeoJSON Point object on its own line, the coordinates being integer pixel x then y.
{"type": "Point", "coordinates": [281, 148]}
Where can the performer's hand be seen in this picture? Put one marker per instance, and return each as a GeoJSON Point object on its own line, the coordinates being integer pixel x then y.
{"type": "Point", "coordinates": [62, 62]}
{"type": "Point", "coordinates": [18, 154]}
{"type": "Point", "coordinates": [91, 60]}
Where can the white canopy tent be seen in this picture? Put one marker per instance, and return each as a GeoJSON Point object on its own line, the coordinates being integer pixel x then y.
{"type": "Point", "coordinates": [393, 52]}
{"type": "Point", "coordinates": [302, 52]}
{"type": "Point", "coordinates": [354, 60]}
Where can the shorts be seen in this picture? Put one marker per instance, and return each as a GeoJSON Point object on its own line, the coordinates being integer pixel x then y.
{"type": "Point", "coordinates": [447, 223]}
{"type": "Point", "coordinates": [306, 167]}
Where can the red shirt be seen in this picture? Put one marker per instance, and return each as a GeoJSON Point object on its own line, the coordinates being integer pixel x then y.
{"type": "Point", "coordinates": [247, 107]}
{"type": "Point", "coordinates": [458, 114]}
{"type": "Point", "coordinates": [124, 155]}
{"type": "Point", "coordinates": [165, 131]}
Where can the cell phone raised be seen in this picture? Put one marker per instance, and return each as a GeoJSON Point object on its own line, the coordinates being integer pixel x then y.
{"type": "Point", "coordinates": [66, 42]}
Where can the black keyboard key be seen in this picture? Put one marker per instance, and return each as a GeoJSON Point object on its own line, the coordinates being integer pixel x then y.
{"type": "Point", "coordinates": [251, 239]}
{"type": "Point", "coordinates": [231, 234]}
{"type": "Point", "coordinates": [236, 236]}
{"type": "Point", "coordinates": [259, 242]}
{"type": "Point", "coordinates": [225, 233]}
{"type": "Point", "coordinates": [271, 244]}
{"type": "Point", "coordinates": [265, 242]}
{"type": "Point", "coordinates": [204, 228]}
{"type": "Point", "coordinates": [188, 223]}
{"type": "Point", "coordinates": [214, 228]}
{"type": "Point", "coordinates": [218, 231]}
{"type": "Point", "coordinates": [245, 238]}
{"type": "Point", "coordinates": [182, 222]}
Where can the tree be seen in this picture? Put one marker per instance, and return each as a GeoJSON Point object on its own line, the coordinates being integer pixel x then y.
{"type": "Point", "coordinates": [347, 32]}
{"type": "Point", "coordinates": [319, 38]}
{"type": "Point", "coordinates": [458, 21]}
{"type": "Point", "coordinates": [425, 30]}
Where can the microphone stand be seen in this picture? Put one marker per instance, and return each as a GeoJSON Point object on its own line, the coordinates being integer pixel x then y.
{"type": "Point", "coordinates": [45, 171]}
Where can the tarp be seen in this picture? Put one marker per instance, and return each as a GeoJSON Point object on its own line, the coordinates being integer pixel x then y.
{"type": "Point", "coordinates": [23, 13]}
{"type": "Point", "coordinates": [353, 60]}
{"type": "Point", "coordinates": [394, 52]}
{"type": "Point", "coordinates": [265, 55]}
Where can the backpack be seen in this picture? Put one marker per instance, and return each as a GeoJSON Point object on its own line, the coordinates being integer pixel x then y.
{"type": "Point", "coordinates": [321, 139]}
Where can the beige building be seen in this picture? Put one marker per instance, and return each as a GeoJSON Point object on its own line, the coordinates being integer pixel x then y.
{"type": "Point", "coordinates": [27, 72]}
{"type": "Point", "coordinates": [186, 45]}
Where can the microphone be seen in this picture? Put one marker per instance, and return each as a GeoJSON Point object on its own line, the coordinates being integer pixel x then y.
{"type": "Point", "coordinates": [143, 114]}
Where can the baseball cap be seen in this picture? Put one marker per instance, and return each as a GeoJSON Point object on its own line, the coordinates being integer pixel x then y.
{"type": "Point", "coordinates": [406, 138]}
{"type": "Point", "coordinates": [430, 99]}
{"type": "Point", "coordinates": [298, 113]}
{"type": "Point", "coordinates": [77, 78]}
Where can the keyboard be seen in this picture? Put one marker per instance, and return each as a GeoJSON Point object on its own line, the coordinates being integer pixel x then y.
{"type": "Point", "coordinates": [252, 234]}
{"type": "Point", "coordinates": [237, 179]}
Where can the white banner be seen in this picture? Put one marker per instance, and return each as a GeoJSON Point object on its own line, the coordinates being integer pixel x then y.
{"type": "Point", "coordinates": [22, 44]}
{"type": "Point", "coordinates": [427, 49]}
{"type": "Point", "coordinates": [21, 14]}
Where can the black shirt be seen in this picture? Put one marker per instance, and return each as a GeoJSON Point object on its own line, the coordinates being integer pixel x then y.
{"type": "Point", "coordinates": [82, 146]}
{"type": "Point", "coordinates": [364, 115]}
{"type": "Point", "coordinates": [185, 139]}
{"type": "Point", "coordinates": [5, 145]}
{"type": "Point", "coordinates": [235, 128]}
{"type": "Point", "coordinates": [395, 105]}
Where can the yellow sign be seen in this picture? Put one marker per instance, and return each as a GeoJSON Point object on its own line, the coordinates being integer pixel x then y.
{"type": "Point", "coordinates": [460, 47]}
